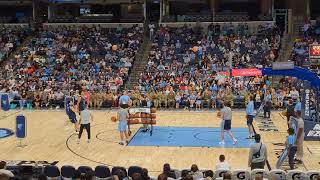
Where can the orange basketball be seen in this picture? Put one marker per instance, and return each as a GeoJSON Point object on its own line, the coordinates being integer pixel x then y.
{"type": "Point", "coordinates": [113, 118]}
{"type": "Point", "coordinates": [219, 114]}
{"type": "Point", "coordinates": [153, 110]}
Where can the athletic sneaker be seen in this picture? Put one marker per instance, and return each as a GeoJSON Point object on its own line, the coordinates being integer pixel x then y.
{"type": "Point", "coordinates": [235, 141]}
{"type": "Point", "coordinates": [78, 141]}
{"type": "Point", "coordinates": [221, 142]}
{"type": "Point", "coordinates": [121, 143]}
{"type": "Point", "coordinates": [88, 140]}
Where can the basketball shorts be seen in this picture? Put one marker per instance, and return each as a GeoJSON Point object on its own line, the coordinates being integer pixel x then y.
{"type": "Point", "coordinates": [122, 126]}
{"type": "Point", "coordinates": [249, 120]}
{"type": "Point", "coordinates": [226, 125]}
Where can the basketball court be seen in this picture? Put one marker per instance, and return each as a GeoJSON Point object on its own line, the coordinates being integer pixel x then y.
{"type": "Point", "coordinates": [181, 138]}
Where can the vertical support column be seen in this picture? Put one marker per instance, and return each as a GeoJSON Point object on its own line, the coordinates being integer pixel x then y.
{"type": "Point", "coordinates": [308, 9]}
{"type": "Point", "coordinates": [213, 9]}
{"type": "Point", "coordinates": [144, 6]}
{"type": "Point", "coordinates": [161, 8]}
{"type": "Point", "coordinates": [49, 12]}
{"type": "Point", "coordinates": [34, 10]}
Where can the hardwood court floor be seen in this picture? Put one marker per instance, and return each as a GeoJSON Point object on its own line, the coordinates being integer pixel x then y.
{"type": "Point", "coordinates": [51, 137]}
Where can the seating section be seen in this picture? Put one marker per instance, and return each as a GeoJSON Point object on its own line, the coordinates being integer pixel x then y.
{"type": "Point", "coordinates": [11, 38]}
{"type": "Point", "coordinates": [62, 60]}
{"type": "Point", "coordinates": [308, 35]}
{"type": "Point", "coordinates": [191, 63]}
{"type": "Point", "coordinates": [100, 172]}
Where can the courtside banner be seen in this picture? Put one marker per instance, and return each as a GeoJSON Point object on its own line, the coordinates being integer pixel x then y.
{"type": "Point", "coordinates": [21, 126]}
{"type": "Point", "coordinates": [5, 105]}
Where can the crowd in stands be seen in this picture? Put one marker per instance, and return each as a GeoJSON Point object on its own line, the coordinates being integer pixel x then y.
{"type": "Point", "coordinates": [58, 61]}
{"type": "Point", "coordinates": [309, 35]}
{"type": "Point", "coordinates": [184, 67]}
{"type": "Point", "coordinates": [11, 38]}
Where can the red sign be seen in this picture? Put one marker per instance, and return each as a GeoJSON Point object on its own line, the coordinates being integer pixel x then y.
{"type": "Point", "coordinates": [314, 51]}
{"type": "Point", "coordinates": [243, 72]}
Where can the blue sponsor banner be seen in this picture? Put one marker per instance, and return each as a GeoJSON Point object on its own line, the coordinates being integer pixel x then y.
{"type": "Point", "coordinates": [21, 126]}
{"type": "Point", "coordinates": [5, 105]}
{"type": "Point", "coordinates": [305, 101]}
{"type": "Point", "coordinates": [312, 131]}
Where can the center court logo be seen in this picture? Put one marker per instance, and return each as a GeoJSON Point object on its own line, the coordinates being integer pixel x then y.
{"type": "Point", "coordinates": [315, 132]}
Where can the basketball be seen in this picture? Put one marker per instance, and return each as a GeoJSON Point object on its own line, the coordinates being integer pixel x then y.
{"type": "Point", "coordinates": [113, 118]}
{"type": "Point", "coordinates": [153, 110]}
{"type": "Point", "coordinates": [219, 114]}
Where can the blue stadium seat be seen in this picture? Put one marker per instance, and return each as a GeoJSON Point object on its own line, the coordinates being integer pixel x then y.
{"type": "Point", "coordinates": [51, 171]}
{"type": "Point", "coordinates": [68, 172]}
{"type": "Point", "coordinates": [102, 172]}
{"type": "Point", "coordinates": [134, 169]}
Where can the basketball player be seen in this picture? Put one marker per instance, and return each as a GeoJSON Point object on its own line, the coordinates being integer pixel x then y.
{"type": "Point", "coordinates": [250, 115]}
{"type": "Point", "coordinates": [85, 119]}
{"type": "Point", "coordinates": [123, 116]}
{"type": "Point", "coordinates": [226, 117]}
{"type": "Point", "coordinates": [72, 114]}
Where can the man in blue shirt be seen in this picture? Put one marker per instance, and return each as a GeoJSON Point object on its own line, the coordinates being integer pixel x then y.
{"type": "Point", "coordinates": [250, 115]}
{"type": "Point", "coordinates": [297, 107]}
{"type": "Point", "coordinates": [124, 100]}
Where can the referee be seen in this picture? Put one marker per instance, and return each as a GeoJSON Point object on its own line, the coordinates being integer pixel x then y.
{"type": "Point", "coordinates": [85, 119]}
{"type": "Point", "coordinates": [250, 115]}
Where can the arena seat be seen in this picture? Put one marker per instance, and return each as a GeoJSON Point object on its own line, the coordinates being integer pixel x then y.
{"type": "Point", "coordinates": [277, 174]}
{"type": "Point", "coordinates": [102, 172]}
{"type": "Point", "coordinates": [262, 172]}
{"type": "Point", "coordinates": [51, 172]}
{"type": "Point", "coordinates": [68, 172]}
{"type": "Point", "coordinates": [134, 169]}
{"type": "Point", "coordinates": [312, 173]}
{"type": "Point", "coordinates": [219, 173]}
{"type": "Point", "coordinates": [84, 169]}
{"type": "Point", "coordinates": [295, 174]}
{"type": "Point", "coordinates": [115, 168]}
{"type": "Point", "coordinates": [240, 174]}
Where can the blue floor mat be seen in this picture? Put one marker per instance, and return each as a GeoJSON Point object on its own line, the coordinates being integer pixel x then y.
{"type": "Point", "coordinates": [190, 137]}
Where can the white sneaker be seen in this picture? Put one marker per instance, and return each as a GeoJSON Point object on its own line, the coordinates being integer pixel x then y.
{"type": "Point", "coordinates": [221, 142]}
{"type": "Point", "coordinates": [88, 140]}
{"type": "Point", "coordinates": [78, 141]}
{"type": "Point", "coordinates": [235, 141]}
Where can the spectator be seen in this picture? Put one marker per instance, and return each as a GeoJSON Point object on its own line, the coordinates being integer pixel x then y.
{"type": "Point", "coordinates": [145, 175]}
{"type": "Point", "coordinates": [162, 177]}
{"type": "Point", "coordinates": [167, 171]}
{"type": "Point", "coordinates": [223, 164]}
{"type": "Point", "coordinates": [227, 176]}
{"type": "Point", "coordinates": [292, 147]}
{"type": "Point", "coordinates": [136, 176]}
{"type": "Point", "coordinates": [258, 154]}
{"type": "Point", "coordinates": [195, 172]}
{"type": "Point", "coordinates": [3, 169]}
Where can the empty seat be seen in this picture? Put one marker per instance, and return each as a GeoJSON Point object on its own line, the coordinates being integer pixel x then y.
{"type": "Point", "coordinates": [262, 172]}
{"type": "Point", "coordinates": [277, 174]}
{"type": "Point", "coordinates": [102, 172]}
{"type": "Point", "coordinates": [219, 172]}
{"type": "Point", "coordinates": [52, 171]}
{"type": "Point", "coordinates": [134, 169]}
{"type": "Point", "coordinates": [240, 174]}
{"type": "Point", "coordinates": [295, 174]}
{"type": "Point", "coordinates": [68, 172]}
{"type": "Point", "coordinates": [84, 169]}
